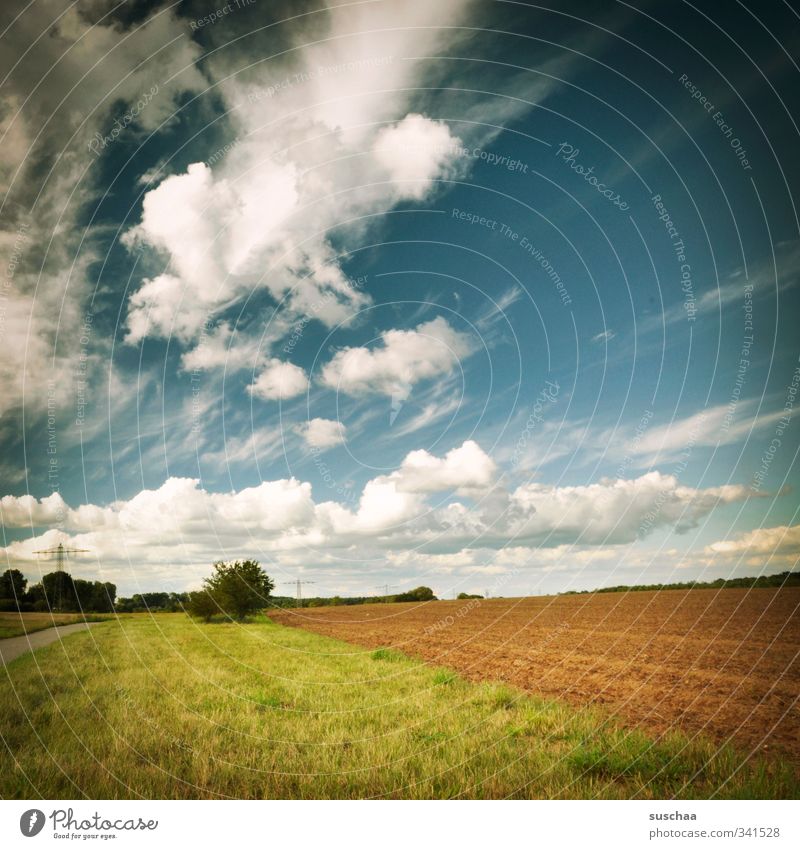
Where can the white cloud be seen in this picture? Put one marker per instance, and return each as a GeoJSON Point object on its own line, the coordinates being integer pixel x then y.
{"type": "Point", "coordinates": [415, 152]}
{"type": "Point", "coordinates": [262, 216]}
{"type": "Point", "coordinates": [615, 510]}
{"type": "Point", "coordinates": [724, 424]}
{"type": "Point", "coordinates": [462, 469]}
{"type": "Point", "coordinates": [783, 540]}
{"type": "Point", "coordinates": [404, 358]}
{"type": "Point", "coordinates": [25, 510]}
{"type": "Point", "coordinates": [279, 380]}
{"type": "Point", "coordinates": [69, 76]}
{"type": "Point", "coordinates": [409, 509]}
{"type": "Point", "coordinates": [322, 433]}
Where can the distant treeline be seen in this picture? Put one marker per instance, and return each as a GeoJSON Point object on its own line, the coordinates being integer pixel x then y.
{"type": "Point", "coordinates": [57, 591]}
{"type": "Point", "coordinates": [418, 594]}
{"type": "Point", "coordinates": [160, 602]}
{"type": "Point", "coordinates": [781, 579]}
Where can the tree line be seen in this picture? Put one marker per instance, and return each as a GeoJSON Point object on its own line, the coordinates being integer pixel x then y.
{"type": "Point", "coordinates": [233, 591]}
{"type": "Point", "coordinates": [417, 594]}
{"type": "Point", "coordinates": [57, 591]}
{"type": "Point", "coordinates": [780, 579]}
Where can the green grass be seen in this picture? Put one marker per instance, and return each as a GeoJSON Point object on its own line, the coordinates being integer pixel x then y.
{"type": "Point", "coordinates": [162, 707]}
{"type": "Point", "coordinates": [17, 624]}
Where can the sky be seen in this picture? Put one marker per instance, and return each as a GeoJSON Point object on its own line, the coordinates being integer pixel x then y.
{"type": "Point", "coordinates": [487, 296]}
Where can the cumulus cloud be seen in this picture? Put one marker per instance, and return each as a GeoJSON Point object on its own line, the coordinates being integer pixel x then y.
{"type": "Point", "coordinates": [447, 505]}
{"type": "Point", "coordinates": [323, 150]}
{"type": "Point", "coordinates": [415, 152]}
{"type": "Point", "coordinates": [403, 358]}
{"type": "Point", "coordinates": [782, 540]}
{"type": "Point", "coordinates": [322, 433]}
{"type": "Point", "coordinates": [462, 469]}
{"type": "Point", "coordinates": [279, 380]}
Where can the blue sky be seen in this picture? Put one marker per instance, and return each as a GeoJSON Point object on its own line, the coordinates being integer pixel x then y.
{"type": "Point", "coordinates": [476, 295]}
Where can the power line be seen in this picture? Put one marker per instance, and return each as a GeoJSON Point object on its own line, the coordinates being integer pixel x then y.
{"type": "Point", "coordinates": [299, 584]}
{"type": "Point", "coordinates": [61, 554]}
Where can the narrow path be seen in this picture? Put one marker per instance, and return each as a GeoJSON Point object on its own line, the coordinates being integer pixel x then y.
{"type": "Point", "coordinates": [13, 647]}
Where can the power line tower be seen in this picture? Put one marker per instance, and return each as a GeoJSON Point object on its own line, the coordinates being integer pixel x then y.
{"type": "Point", "coordinates": [299, 585]}
{"type": "Point", "coordinates": [60, 554]}
{"type": "Point", "coordinates": [386, 588]}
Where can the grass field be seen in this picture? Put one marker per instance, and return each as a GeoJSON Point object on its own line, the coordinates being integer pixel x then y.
{"type": "Point", "coordinates": [15, 624]}
{"type": "Point", "coordinates": [163, 707]}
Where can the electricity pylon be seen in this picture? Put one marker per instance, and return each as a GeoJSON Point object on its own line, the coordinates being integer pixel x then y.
{"type": "Point", "coordinates": [386, 588]}
{"type": "Point", "coordinates": [299, 584]}
{"type": "Point", "coordinates": [61, 555]}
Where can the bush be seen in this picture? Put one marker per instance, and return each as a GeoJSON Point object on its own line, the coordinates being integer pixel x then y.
{"type": "Point", "coordinates": [418, 594]}
{"type": "Point", "coordinates": [235, 589]}
{"type": "Point", "coordinates": [201, 605]}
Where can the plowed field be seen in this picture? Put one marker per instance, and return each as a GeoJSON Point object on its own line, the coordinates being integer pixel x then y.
{"type": "Point", "coordinates": [722, 663]}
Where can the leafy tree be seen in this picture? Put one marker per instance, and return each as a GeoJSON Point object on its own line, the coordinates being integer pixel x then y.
{"type": "Point", "coordinates": [235, 589]}
{"type": "Point", "coordinates": [465, 596]}
{"type": "Point", "coordinates": [96, 596]}
{"type": "Point", "coordinates": [59, 591]}
{"type": "Point", "coordinates": [418, 594]}
{"type": "Point", "coordinates": [12, 586]}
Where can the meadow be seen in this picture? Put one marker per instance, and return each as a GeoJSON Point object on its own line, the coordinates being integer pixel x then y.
{"type": "Point", "coordinates": [163, 707]}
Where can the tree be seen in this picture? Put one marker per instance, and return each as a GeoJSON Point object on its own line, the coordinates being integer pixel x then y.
{"type": "Point", "coordinates": [201, 605]}
{"type": "Point", "coordinates": [59, 591]}
{"type": "Point", "coordinates": [234, 589]}
{"type": "Point", "coordinates": [12, 586]}
{"type": "Point", "coordinates": [418, 594]}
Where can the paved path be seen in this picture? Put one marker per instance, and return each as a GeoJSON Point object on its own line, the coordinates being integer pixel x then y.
{"type": "Point", "coordinates": [13, 647]}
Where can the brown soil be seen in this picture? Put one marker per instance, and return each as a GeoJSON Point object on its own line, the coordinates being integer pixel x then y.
{"type": "Point", "coordinates": [724, 663]}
